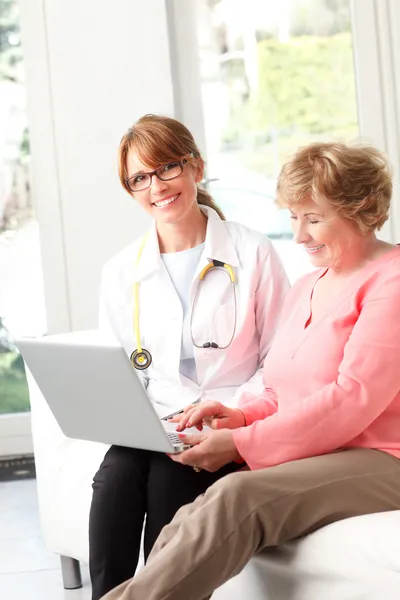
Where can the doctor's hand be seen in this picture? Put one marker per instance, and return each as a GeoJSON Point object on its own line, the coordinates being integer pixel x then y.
{"type": "Point", "coordinates": [212, 450]}
{"type": "Point", "coordinates": [211, 413]}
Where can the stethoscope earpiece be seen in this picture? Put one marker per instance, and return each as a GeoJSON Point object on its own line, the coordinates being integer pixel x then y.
{"type": "Point", "coordinates": [141, 359]}
{"type": "Point", "coordinates": [210, 345]}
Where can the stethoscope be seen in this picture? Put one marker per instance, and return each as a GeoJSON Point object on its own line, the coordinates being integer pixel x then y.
{"type": "Point", "coordinates": [141, 358]}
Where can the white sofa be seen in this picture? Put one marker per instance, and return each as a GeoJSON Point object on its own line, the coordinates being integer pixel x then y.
{"type": "Point", "coordinates": [355, 559]}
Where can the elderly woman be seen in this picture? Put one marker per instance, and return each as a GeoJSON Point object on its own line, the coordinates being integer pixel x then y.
{"type": "Point", "coordinates": [322, 443]}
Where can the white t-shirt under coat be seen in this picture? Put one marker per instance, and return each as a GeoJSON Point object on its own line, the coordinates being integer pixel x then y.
{"type": "Point", "coordinates": [181, 267]}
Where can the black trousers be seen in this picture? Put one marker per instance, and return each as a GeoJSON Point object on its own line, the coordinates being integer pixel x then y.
{"type": "Point", "coordinates": [129, 486]}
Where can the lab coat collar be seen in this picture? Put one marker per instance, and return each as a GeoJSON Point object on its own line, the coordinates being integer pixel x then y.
{"type": "Point", "coordinates": [218, 246]}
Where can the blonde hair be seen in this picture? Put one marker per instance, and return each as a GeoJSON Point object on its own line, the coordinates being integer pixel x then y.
{"type": "Point", "coordinates": [355, 179]}
{"type": "Point", "coordinates": [158, 140]}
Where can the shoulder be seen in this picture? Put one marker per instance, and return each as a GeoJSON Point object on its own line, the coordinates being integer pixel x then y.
{"type": "Point", "coordinates": [382, 279]}
{"type": "Point", "coordinates": [248, 240]}
{"type": "Point", "coordinates": [257, 255]}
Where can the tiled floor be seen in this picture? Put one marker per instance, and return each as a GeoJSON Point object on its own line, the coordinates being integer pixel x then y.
{"type": "Point", "coordinates": [27, 570]}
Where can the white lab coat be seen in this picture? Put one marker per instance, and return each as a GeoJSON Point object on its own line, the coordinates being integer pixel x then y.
{"type": "Point", "coordinates": [224, 375]}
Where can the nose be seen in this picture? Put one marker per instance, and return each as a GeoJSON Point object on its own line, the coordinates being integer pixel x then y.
{"type": "Point", "coordinates": [300, 233]}
{"type": "Point", "coordinates": [157, 184]}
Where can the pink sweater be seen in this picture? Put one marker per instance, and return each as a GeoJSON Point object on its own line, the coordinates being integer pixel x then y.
{"type": "Point", "coordinates": [336, 383]}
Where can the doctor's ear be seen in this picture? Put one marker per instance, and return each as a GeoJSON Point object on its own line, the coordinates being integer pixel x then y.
{"type": "Point", "coordinates": [199, 172]}
{"type": "Point", "coordinates": [199, 177]}
{"type": "Point", "coordinates": [197, 166]}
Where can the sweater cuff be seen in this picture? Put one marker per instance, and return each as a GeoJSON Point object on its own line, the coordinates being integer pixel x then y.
{"type": "Point", "coordinates": [255, 410]}
{"type": "Point", "coordinates": [243, 443]}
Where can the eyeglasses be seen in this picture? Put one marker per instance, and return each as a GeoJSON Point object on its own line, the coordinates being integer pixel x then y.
{"type": "Point", "coordinates": [142, 181]}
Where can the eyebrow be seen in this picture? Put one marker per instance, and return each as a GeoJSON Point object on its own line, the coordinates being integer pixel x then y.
{"type": "Point", "coordinates": [147, 172]}
{"type": "Point", "coordinates": [138, 173]}
{"type": "Point", "coordinates": [309, 214]}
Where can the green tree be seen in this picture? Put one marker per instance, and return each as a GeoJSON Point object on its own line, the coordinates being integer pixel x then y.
{"type": "Point", "coordinates": [14, 395]}
{"type": "Point", "coordinates": [306, 85]}
{"type": "Point", "coordinates": [306, 92]}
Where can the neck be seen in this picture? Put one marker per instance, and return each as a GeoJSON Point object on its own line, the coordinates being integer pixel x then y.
{"type": "Point", "coordinates": [358, 256]}
{"type": "Point", "coordinates": [183, 235]}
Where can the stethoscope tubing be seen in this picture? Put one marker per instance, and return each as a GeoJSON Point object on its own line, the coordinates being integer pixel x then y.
{"type": "Point", "coordinates": [233, 284]}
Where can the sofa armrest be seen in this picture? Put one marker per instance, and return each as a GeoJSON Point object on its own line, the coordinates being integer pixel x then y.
{"type": "Point", "coordinates": [64, 469]}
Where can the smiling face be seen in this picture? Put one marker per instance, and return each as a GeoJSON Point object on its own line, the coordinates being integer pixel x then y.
{"type": "Point", "coordinates": [166, 201]}
{"type": "Point", "coordinates": [329, 240]}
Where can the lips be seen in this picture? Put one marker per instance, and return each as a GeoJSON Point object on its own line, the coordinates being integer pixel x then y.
{"type": "Point", "coordinates": [315, 249]}
{"type": "Point", "coordinates": [165, 201]}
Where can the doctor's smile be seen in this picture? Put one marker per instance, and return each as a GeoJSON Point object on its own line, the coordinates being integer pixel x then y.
{"type": "Point", "coordinates": [165, 201]}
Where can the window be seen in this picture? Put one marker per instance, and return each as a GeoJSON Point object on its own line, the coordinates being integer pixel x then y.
{"type": "Point", "coordinates": [274, 76]}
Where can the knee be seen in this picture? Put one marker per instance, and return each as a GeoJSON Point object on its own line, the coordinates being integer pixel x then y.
{"type": "Point", "coordinates": [233, 497]}
{"type": "Point", "coordinates": [231, 489]}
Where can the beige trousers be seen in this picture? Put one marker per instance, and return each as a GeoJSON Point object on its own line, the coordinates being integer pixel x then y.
{"type": "Point", "coordinates": [213, 538]}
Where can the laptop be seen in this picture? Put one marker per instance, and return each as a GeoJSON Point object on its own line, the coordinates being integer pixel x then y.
{"type": "Point", "coordinates": [94, 392]}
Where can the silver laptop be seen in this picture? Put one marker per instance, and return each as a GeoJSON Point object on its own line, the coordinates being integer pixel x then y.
{"type": "Point", "coordinates": [94, 393]}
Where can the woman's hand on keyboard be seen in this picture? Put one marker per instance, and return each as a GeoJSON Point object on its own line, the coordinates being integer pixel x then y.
{"type": "Point", "coordinates": [210, 451]}
{"type": "Point", "coordinates": [212, 414]}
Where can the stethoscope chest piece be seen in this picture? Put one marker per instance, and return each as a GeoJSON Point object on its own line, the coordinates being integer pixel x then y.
{"type": "Point", "coordinates": [141, 359]}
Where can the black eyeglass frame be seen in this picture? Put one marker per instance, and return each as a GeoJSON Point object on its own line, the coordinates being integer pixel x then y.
{"type": "Point", "coordinates": [181, 163]}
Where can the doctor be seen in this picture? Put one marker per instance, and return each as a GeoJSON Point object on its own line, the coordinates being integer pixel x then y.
{"type": "Point", "coordinates": [195, 302]}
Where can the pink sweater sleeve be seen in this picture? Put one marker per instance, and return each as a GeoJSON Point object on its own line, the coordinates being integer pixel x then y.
{"type": "Point", "coordinates": [368, 381]}
{"type": "Point", "coordinates": [259, 408]}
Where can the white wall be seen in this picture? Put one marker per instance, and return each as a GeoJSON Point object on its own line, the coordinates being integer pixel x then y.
{"type": "Point", "coordinates": [92, 69]}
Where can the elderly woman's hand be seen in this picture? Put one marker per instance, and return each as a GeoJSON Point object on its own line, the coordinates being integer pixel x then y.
{"type": "Point", "coordinates": [211, 413]}
{"type": "Point", "coordinates": [212, 450]}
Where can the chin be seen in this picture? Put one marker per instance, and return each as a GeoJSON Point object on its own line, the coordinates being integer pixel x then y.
{"type": "Point", "coordinates": [319, 261]}
{"type": "Point", "coordinates": [166, 216]}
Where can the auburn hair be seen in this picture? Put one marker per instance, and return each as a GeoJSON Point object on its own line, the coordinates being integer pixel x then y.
{"type": "Point", "coordinates": [158, 140]}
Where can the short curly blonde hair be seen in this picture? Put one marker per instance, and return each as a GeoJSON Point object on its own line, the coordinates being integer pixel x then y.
{"type": "Point", "coordinates": [355, 179]}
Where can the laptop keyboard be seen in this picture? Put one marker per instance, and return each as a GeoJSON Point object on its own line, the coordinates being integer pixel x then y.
{"type": "Point", "coordinates": [174, 438]}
